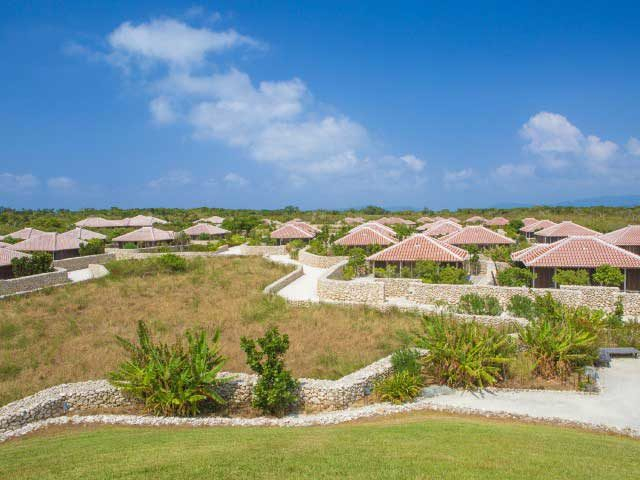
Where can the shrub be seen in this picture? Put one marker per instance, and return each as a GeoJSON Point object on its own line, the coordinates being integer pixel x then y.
{"type": "Point", "coordinates": [172, 263]}
{"type": "Point", "coordinates": [432, 272]}
{"type": "Point", "coordinates": [181, 239]}
{"type": "Point", "coordinates": [499, 253]}
{"type": "Point", "coordinates": [475, 304]}
{"type": "Point", "coordinates": [38, 262]}
{"type": "Point", "coordinates": [522, 368]}
{"type": "Point", "coordinates": [406, 360]}
{"type": "Point", "coordinates": [276, 390]}
{"type": "Point", "coordinates": [516, 277]}
{"type": "Point", "coordinates": [130, 246]}
{"type": "Point", "coordinates": [95, 246]}
{"type": "Point", "coordinates": [464, 354]}
{"type": "Point", "coordinates": [400, 387]}
{"type": "Point", "coordinates": [571, 277]}
{"type": "Point", "coordinates": [608, 276]}
{"type": "Point", "coordinates": [293, 247]}
{"type": "Point", "coordinates": [235, 240]}
{"type": "Point", "coordinates": [348, 272]}
{"type": "Point", "coordinates": [521, 306]}
{"type": "Point", "coordinates": [317, 247]}
{"type": "Point", "coordinates": [171, 379]}
{"type": "Point", "coordinates": [453, 276]}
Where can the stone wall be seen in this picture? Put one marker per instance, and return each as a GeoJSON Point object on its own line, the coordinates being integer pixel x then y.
{"type": "Point", "coordinates": [631, 304]}
{"type": "Point", "coordinates": [279, 284]}
{"type": "Point", "coordinates": [261, 250]}
{"type": "Point", "coordinates": [330, 289]}
{"type": "Point", "coordinates": [33, 282]}
{"type": "Point", "coordinates": [134, 254]}
{"type": "Point", "coordinates": [319, 261]}
{"type": "Point", "coordinates": [100, 394]}
{"type": "Point", "coordinates": [78, 263]}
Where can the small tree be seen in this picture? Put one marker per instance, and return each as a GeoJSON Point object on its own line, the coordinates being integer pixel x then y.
{"type": "Point", "coordinates": [516, 277]}
{"type": "Point", "coordinates": [571, 277]}
{"type": "Point", "coordinates": [181, 240]}
{"type": "Point", "coordinates": [38, 262]}
{"type": "Point", "coordinates": [453, 276]}
{"type": "Point", "coordinates": [276, 390]}
{"type": "Point", "coordinates": [608, 276]}
{"type": "Point", "coordinates": [95, 246]}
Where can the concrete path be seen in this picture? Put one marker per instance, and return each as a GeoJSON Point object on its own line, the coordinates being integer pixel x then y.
{"type": "Point", "coordinates": [304, 288]}
{"type": "Point", "coordinates": [617, 405]}
{"type": "Point", "coordinates": [231, 251]}
{"type": "Point", "coordinates": [80, 275]}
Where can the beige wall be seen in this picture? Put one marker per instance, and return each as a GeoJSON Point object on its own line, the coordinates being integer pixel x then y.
{"type": "Point", "coordinates": [318, 261]}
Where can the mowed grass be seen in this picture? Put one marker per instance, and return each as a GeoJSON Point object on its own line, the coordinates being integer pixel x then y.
{"type": "Point", "coordinates": [410, 446]}
{"type": "Point", "coordinates": [68, 334]}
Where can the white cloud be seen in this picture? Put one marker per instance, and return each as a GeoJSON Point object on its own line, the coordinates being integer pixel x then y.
{"type": "Point", "coordinates": [510, 170]}
{"type": "Point", "coordinates": [551, 133]}
{"type": "Point", "coordinates": [633, 147]}
{"type": "Point", "coordinates": [236, 180]}
{"type": "Point", "coordinates": [413, 163]}
{"type": "Point", "coordinates": [162, 111]}
{"type": "Point", "coordinates": [10, 182]}
{"type": "Point", "coordinates": [173, 179]}
{"type": "Point", "coordinates": [61, 183]}
{"type": "Point", "coordinates": [458, 175]}
{"type": "Point", "coordinates": [598, 149]}
{"type": "Point", "coordinates": [174, 42]}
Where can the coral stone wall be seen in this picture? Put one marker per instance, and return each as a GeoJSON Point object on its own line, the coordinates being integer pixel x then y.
{"type": "Point", "coordinates": [331, 289]}
{"type": "Point", "coordinates": [261, 250]}
{"type": "Point", "coordinates": [78, 263]}
{"type": "Point", "coordinates": [33, 282]}
{"type": "Point", "coordinates": [319, 261]}
{"type": "Point", "coordinates": [279, 284]}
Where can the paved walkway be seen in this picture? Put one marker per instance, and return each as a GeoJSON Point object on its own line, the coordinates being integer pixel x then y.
{"type": "Point", "coordinates": [617, 405]}
{"type": "Point", "coordinates": [304, 288]}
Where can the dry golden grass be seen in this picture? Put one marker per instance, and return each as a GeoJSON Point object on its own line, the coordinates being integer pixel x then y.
{"type": "Point", "coordinates": [68, 334]}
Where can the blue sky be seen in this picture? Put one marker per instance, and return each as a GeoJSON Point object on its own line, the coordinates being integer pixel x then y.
{"type": "Point", "coordinates": [324, 105]}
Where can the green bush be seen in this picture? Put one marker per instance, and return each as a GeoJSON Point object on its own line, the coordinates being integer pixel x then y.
{"type": "Point", "coordinates": [571, 277]}
{"type": "Point", "coordinates": [499, 253]}
{"type": "Point", "coordinates": [432, 272]}
{"type": "Point", "coordinates": [149, 266]}
{"type": "Point", "coordinates": [130, 246]}
{"type": "Point", "coordinates": [475, 304]}
{"type": "Point", "coordinates": [521, 306]}
{"type": "Point", "coordinates": [348, 272]}
{"type": "Point", "coordinates": [399, 387]}
{"type": "Point", "coordinates": [172, 263]}
{"type": "Point", "coordinates": [276, 390]}
{"type": "Point", "coordinates": [38, 262]}
{"type": "Point", "coordinates": [516, 277]}
{"type": "Point", "coordinates": [464, 354]}
{"type": "Point", "coordinates": [406, 360]}
{"type": "Point", "coordinates": [608, 276]}
{"type": "Point", "coordinates": [95, 246]}
{"type": "Point", "coordinates": [293, 247]}
{"type": "Point", "coordinates": [235, 240]}
{"type": "Point", "coordinates": [453, 276]}
{"type": "Point", "coordinates": [172, 379]}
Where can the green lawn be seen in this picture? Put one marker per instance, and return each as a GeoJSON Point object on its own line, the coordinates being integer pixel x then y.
{"type": "Point", "coordinates": [415, 446]}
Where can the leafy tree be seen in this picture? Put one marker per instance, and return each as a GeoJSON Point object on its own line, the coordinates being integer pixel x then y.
{"type": "Point", "coordinates": [373, 210]}
{"type": "Point", "coordinates": [95, 246]}
{"type": "Point", "coordinates": [516, 277]}
{"type": "Point", "coordinates": [571, 277]}
{"type": "Point", "coordinates": [453, 275]}
{"type": "Point", "coordinates": [608, 276]}
{"type": "Point", "coordinates": [38, 262]}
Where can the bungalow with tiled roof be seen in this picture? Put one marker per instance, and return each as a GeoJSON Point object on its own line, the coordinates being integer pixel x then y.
{"type": "Point", "coordinates": [6, 255]}
{"type": "Point", "coordinates": [294, 231]}
{"type": "Point", "coordinates": [442, 228]}
{"type": "Point", "coordinates": [215, 220]}
{"type": "Point", "coordinates": [497, 222]}
{"type": "Point", "coordinates": [99, 222]}
{"type": "Point", "coordinates": [144, 221]}
{"type": "Point", "coordinates": [419, 247]}
{"type": "Point", "coordinates": [378, 227]}
{"type": "Point", "coordinates": [354, 220]}
{"type": "Point", "coordinates": [424, 219]}
{"type": "Point", "coordinates": [454, 219]}
{"type": "Point", "coordinates": [476, 219]}
{"type": "Point", "coordinates": [627, 237]}
{"type": "Point", "coordinates": [364, 236]}
{"type": "Point", "coordinates": [530, 230]}
{"type": "Point", "coordinates": [25, 233]}
{"type": "Point", "coordinates": [395, 221]}
{"type": "Point", "coordinates": [206, 229]}
{"type": "Point", "coordinates": [145, 237]}
{"type": "Point", "coordinates": [561, 231]}
{"type": "Point", "coordinates": [84, 234]}
{"type": "Point", "coordinates": [529, 220]}
{"type": "Point", "coordinates": [573, 253]}
{"type": "Point", "coordinates": [477, 235]}
{"type": "Point", "coordinates": [59, 245]}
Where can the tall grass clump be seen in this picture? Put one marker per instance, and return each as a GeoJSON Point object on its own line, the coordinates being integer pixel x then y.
{"type": "Point", "coordinates": [167, 263]}
{"type": "Point", "coordinates": [405, 383]}
{"type": "Point", "coordinates": [475, 304]}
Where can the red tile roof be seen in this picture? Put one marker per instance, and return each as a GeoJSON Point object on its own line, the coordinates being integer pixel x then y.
{"type": "Point", "coordinates": [26, 233]}
{"type": "Point", "coordinates": [624, 237]}
{"type": "Point", "coordinates": [424, 220]}
{"type": "Point", "coordinates": [353, 220]}
{"type": "Point", "coordinates": [48, 242]}
{"type": "Point", "coordinates": [99, 222]}
{"type": "Point", "coordinates": [144, 221]}
{"type": "Point", "coordinates": [424, 227]}
{"type": "Point", "coordinates": [477, 235]}
{"type": "Point", "coordinates": [395, 221]}
{"type": "Point", "coordinates": [388, 231]}
{"type": "Point", "coordinates": [291, 231]}
{"type": "Point", "coordinates": [4, 244]}
{"type": "Point", "coordinates": [577, 252]}
{"type": "Point", "coordinates": [443, 227]}
{"type": "Point", "coordinates": [528, 221]}
{"type": "Point", "coordinates": [420, 247]}
{"type": "Point", "coordinates": [476, 219]}
{"type": "Point", "coordinates": [566, 229]}
{"type": "Point", "coordinates": [498, 222]}
{"type": "Point", "coordinates": [216, 220]}
{"type": "Point", "coordinates": [84, 234]}
{"type": "Point", "coordinates": [365, 236]}
{"type": "Point", "coordinates": [304, 225]}
{"type": "Point", "coordinates": [538, 225]}
{"type": "Point", "coordinates": [146, 234]}
{"type": "Point", "coordinates": [206, 229]}
{"type": "Point", "coordinates": [6, 255]}
{"type": "Point", "coordinates": [454, 219]}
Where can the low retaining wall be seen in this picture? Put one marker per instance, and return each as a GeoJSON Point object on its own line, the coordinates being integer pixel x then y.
{"type": "Point", "coordinates": [130, 254]}
{"type": "Point", "coordinates": [319, 261]}
{"type": "Point", "coordinates": [99, 394]}
{"type": "Point", "coordinates": [78, 263]}
{"type": "Point", "coordinates": [354, 291]}
{"type": "Point", "coordinates": [262, 250]}
{"type": "Point", "coordinates": [33, 282]}
{"type": "Point", "coordinates": [279, 284]}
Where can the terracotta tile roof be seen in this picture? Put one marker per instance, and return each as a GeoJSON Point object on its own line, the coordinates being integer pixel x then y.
{"type": "Point", "coordinates": [578, 252]}
{"type": "Point", "coordinates": [6, 255]}
{"type": "Point", "coordinates": [477, 235]}
{"type": "Point", "coordinates": [84, 234]}
{"type": "Point", "coordinates": [206, 229]}
{"type": "Point", "coordinates": [353, 220]}
{"type": "Point", "coordinates": [498, 222]}
{"type": "Point", "coordinates": [624, 237]}
{"type": "Point", "coordinates": [421, 247]}
{"type": "Point", "coordinates": [538, 225]}
{"type": "Point", "coordinates": [144, 221]}
{"type": "Point", "coordinates": [305, 226]}
{"type": "Point", "coordinates": [424, 220]}
{"type": "Point", "coordinates": [291, 231]}
{"type": "Point", "coordinates": [528, 221]}
{"type": "Point", "coordinates": [26, 233]}
{"type": "Point", "coordinates": [454, 219]}
{"type": "Point", "coordinates": [146, 234]}
{"type": "Point", "coordinates": [424, 227]}
{"type": "Point", "coordinates": [394, 221]}
{"type": "Point", "coordinates": [388, 231]}
{"type": "Point", "coordinates": [439, 219]}
{"type": "Point", "coordinates": [365, 236]}
{"type": "Point", "coordinates": [476, 219]}
{"type": "Point", "coordinates": [216, 220]}
{"type": "Point", "coordinates": [566, 229]}
{"type": "Point", "coordinates": [524, 253]}
{"type": "Point", "coordinates": [48, 242]}
{"type": "Point", "coordinates": [99, 222]}
{"type": "Point", "coordinates": [4, 244]}
{"type": "Point", "coordinates": [443, 227]}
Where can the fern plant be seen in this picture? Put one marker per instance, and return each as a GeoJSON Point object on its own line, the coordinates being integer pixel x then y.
{"type": "Point", "coordinates": [398, 388]}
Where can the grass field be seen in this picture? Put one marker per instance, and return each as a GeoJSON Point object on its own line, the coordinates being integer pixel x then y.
{"type": "Point", "coordinates": [412, 446]}
{"type": "Point", "coordinates": [68, 334]}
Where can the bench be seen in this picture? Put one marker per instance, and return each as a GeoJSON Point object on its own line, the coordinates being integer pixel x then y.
{"type": "Point", "coordinates": [605, 354]}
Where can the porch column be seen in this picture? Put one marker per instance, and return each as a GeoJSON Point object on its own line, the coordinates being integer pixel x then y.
{"type": "Point", "coordinates": [625, 280]}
